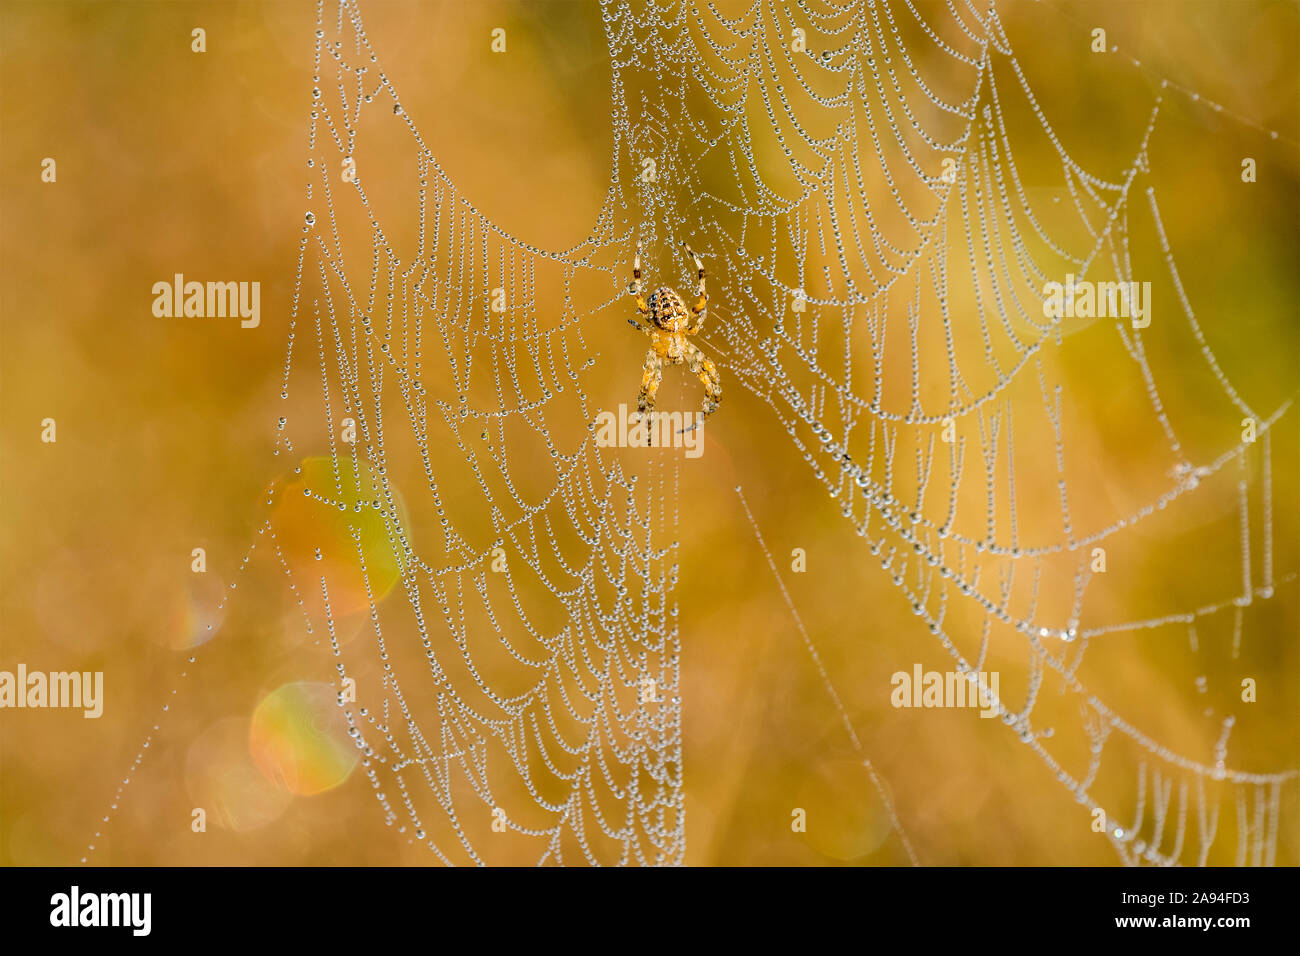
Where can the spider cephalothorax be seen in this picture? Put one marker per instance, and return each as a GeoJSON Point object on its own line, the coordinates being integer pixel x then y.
{"type": "Point", "coordinates": [670, 323]}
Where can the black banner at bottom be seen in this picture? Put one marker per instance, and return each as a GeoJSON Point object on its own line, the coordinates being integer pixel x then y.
{"type": "Point", "coordinates": [811, 908]}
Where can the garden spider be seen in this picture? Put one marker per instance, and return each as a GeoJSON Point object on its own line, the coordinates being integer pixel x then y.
{"type": "Point", "coordinates": [671, 322]}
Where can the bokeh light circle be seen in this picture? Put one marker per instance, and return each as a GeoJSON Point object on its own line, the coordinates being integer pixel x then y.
{"type": "Point", "coordinates": [223, 781]}
{"type": "Point", "coordinates": [299, 739]}
{"type": "Point", "coordinates": [332, 523]}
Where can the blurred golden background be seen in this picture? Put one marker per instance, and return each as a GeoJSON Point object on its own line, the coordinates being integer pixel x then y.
{"type": "Point", "coordinates": [170, 161]}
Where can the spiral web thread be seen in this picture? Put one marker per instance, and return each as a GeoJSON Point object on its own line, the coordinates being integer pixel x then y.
{"type": "Point", "coordinates": [868, 295]}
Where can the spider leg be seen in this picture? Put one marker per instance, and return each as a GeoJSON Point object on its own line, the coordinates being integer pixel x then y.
{"type": "Point", "coordinates": [700, 364]}
{"type": "Point", "coordinates": [702, 303]}
{"type": "Point", "coordinates": [651, 376]}
{"type": "Point", "coordinates": [635, 287]}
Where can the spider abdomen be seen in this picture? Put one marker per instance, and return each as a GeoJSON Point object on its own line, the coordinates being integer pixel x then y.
{"type": "Point", "coordinates": [667, 310]}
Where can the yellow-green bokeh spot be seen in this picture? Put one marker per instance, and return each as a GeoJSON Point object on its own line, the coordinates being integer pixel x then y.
{"type": "Point", "coordinates": [322, 513]}
{"type": "Point", "coordinates": [299, 739]}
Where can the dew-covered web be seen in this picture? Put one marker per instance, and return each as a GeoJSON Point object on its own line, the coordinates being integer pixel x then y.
{"type": "Point", "coordinates": [882, 292]}
{"type": "Point", "coordinates": [536, 577]}
{"type": "Point", "coordinates": [509, 659]}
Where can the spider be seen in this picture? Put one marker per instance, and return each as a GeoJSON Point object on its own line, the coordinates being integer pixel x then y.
{"type": "Point", "coordinates": [671, 322]}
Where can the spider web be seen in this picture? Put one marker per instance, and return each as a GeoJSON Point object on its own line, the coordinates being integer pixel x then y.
{"type": "Point", "coordinates": [886, 308]}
